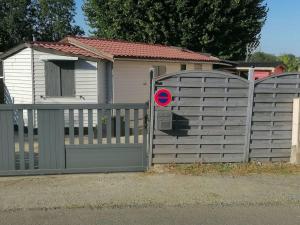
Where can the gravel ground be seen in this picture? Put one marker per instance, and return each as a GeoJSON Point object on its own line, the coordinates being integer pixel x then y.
{"type": "Point", "coordinates": [125, 190]}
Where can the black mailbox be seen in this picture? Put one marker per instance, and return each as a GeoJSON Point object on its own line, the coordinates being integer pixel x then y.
{"type": "Point", "coordinates": [164, 120]}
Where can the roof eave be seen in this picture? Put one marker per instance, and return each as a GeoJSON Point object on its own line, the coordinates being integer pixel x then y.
{"type": "Point", "coordinates": [169, 59]}
{"type": "Point", "coordinates": [57, 52]}
{"type": "Point", "coordinates": [22, 46]}
{"type": "Point", "coordinates": [14, 50]}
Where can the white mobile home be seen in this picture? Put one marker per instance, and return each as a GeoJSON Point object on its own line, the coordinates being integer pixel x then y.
{"type": "Point", "coordinates": [89, 70]}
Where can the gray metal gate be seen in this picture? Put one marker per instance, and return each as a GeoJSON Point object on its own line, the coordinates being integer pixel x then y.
{"type": "Point", "coordinates": [51, 139]}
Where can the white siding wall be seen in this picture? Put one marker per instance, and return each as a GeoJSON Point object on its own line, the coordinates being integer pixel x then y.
{"type": "Point", "coordinates": [85, 82]}
{"type": "Point", "coordinates": [18, 76]}
{"type": "Point", "coordinates": [131, 79]}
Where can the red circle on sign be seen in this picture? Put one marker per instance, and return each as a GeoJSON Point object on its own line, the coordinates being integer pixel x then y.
{"type": "Point", "coordinates": [163, 97]}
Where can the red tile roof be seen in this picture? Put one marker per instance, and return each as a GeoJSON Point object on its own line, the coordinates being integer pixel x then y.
{"type": "Point", "coordinates": [65, 48]}
{"type": "Point", "coordinates": [125, 49]}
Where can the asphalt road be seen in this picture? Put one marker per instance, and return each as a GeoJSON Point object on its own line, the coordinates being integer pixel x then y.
{"type": "Point", "coordinates": [188, 215]}
{"type": "Point", "coordinates": [125, 190]}
{"type": "Point", "coordinates": [139, 198]}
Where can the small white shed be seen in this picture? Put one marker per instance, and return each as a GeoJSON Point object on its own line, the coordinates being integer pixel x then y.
{"type": "Point", "coordinates": [34, 74]}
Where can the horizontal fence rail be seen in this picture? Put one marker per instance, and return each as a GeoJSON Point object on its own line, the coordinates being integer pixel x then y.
{"type": "Point", "coordinates": [72, 106]}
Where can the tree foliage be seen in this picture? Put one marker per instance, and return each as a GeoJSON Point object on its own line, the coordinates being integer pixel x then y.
{"type": "Point", "coordinates": [263, 57]}
{"type": "Point", "coordinates": [224, 28]}
{"type": "Point", "coordinates": [54, 19]}
{"type": "Point", "coordinates": [47, 20]}
{"type": "Point", "coordinates": [15, 22]}
{"type": "Point", "coordinates": [291, 61]}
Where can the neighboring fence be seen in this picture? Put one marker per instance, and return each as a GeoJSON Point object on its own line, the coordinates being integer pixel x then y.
{"type": "Point", "coordinates": [55, 144]}
{"type": "Point", "coordinates": [271, 131]}
{"type": "Point", "coordinates": [219, 117]}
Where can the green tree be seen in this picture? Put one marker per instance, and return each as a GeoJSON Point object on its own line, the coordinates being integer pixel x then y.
{"type": "Point", "coordinates": [47, 20]}
{"type": "Point", "coordinates": [263, 57]}
{"type": "Point", "coordinates": [224, 28]}
{"type": "Point", "coordinates": [15, 23]}
{"type": "Point", "coordinates": [55, 19]}
{"type": "Point", "coordinates": [291, 61]}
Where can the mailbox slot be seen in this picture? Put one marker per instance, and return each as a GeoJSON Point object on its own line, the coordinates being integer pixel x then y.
{"type": "Point", "coordinates": [164, 120]}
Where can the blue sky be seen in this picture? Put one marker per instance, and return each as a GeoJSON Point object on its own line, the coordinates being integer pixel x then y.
{"type": "Point", "coordinates": [280, 34]}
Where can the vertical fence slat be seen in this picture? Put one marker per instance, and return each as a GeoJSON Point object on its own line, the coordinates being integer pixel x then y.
{"type": "Point", "coordinates": [51, 139]}
{"type": "Point", "coordinates": [21, 139]}
{"type": "Point", "coordinates": [90, 126]}
{"type": "Point", "coordinates": [3, 140]}
{"type": "Point", "coordinates": [40, 117]}
{"type": "Point", "coordinates": [127, 125]}
{"type": "Point", "coordinates": [108, 137]}
{"type": "Point", "coordinates": [60, 147]}
{"type": "Point", "coordinates": [118, 126]}
{"type": "Point", "coordinates": [71, 126]}
{"type": "Point", "coordinates": [136, 126]}
{"type": "Point", "coordinates": [99, 126]}
{"type": "Point", "coordinates": [30, 139]}
{"type": "Point", "coordinates": [145, 129]}
{"type": "Point", "coordinates": [7, 148]}
{"type": "Point", "coordinates": [80, 118]}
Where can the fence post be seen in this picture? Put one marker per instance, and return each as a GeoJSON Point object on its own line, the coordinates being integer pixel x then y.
{"type": "Point", "coordinates": [249, 115]}
{"type": "Point", "coordinates": [151, 107]}
{"type": "Point", "coordinates": [295, 151]}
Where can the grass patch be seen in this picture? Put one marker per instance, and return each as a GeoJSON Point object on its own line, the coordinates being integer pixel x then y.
{"type": "Point", "coordinates": [234, 169]}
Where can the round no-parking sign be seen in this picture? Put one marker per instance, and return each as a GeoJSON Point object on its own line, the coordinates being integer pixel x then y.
{"type": "Point", "coordinates": [163, 97]}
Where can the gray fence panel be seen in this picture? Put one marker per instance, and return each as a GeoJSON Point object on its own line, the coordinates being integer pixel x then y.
{"type": "Point", "coordinates": [107, 156]}
{"type": "Point", "coordinates": [51, 139]}
{"type": "Point", "coordinates": [7, 149]}
{"type": "Point", "coordinates": [271, 131]}
{"type": "Point", "coordinates": [209, 118]}
{"type": "Point", "coordinates": [218, 116]}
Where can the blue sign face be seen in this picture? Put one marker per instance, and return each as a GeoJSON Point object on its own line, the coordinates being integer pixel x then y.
{"type": "Point", "coordinates": [163, 97]}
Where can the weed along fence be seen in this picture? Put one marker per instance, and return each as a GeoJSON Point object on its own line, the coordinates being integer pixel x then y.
{"type": "Point", "coordinates": [46, 139]}
{"type": "Point", "coordinates": [220, 117]}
